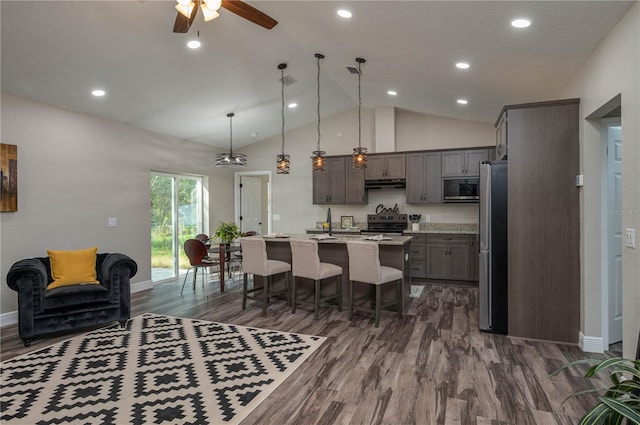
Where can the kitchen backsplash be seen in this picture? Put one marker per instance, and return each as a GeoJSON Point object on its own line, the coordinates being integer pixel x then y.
{"type": "Point", "coordinates": [439, 213]}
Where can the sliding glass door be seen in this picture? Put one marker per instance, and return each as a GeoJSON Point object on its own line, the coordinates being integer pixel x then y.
{"type": "Point", "coordinates": [176, 215]}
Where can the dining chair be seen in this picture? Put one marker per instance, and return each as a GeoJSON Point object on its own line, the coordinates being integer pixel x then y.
{"type": "Point", "coordinates": [364, 267]}
{"type": "Point", "coordinates": [255, 262]}
{"type": "Point", "coordinates": [196, 252]}
{"type": "Point", "coordinates": [202, 237]}
{"type": "Point", "coordinates": [305, 263]}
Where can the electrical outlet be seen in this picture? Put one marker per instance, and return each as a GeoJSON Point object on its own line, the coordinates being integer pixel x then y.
{"type": "Point", "coordinates": [276, 217]}
{"type": "Point", "coordinates": [112, 222]}
{"type": "Point", "coordinates": [427, 218]}
{"type": "Point", "coordinates": [631, 238]}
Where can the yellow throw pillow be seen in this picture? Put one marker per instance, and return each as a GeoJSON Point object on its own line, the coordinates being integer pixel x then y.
{"type": "Point", "coordinates": [73, 267]}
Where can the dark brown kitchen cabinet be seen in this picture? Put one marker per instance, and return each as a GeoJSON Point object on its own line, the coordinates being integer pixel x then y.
{"type": "Point", "coordinates": [448, 257]}
{"type": "Point", "coordinates": [474, 258]}
{"type": "Point", "coordinates": [356, 193]}
{"type": "Point", "coordinates": [424, 183]}
{"type": "Point", "coordinates": [543, 219]}
{"type": "Point", "coordinates": [418, 255]}
{"type": "Point", "coordinates": [463, 163]}
{"type": "Point", "coordinates": [329, 186]}
{"type": "Point", "coordinates": [501, 136]}
{"type": "Point", "coordinates": [385, 167]}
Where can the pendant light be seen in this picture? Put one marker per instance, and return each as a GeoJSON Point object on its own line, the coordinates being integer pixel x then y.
{"type": "Point", "coordinates": [231, 159]}
{"type": "Point", "coordinates": [282, 160]}
{"type": "Point", "coordinates": [359, 157]}
{"type": "Point", "coordinates": [318, 157]}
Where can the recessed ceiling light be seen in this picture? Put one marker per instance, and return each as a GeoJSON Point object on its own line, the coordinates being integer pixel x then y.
{"type": "Point", "coordinates": [462, 101]}
{"type": "Point", "coordinates": [392, 92]}
{"type": "Point", "coordinates": [193, 44]}
{"type": "Point", "coordinates": [293, 105]}
{"type": "Point", "coordinates": [343, 13]}
{"type": "Point", "coordinates": [98, 92]}
{"type": "Point", "coordinates": [462, 65]}
{"type": "Point", "coordinates": [520, 23]}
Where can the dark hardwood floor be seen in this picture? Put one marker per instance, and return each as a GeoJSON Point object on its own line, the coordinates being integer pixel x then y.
{"type": "Point", "coordinates": [431, 367]}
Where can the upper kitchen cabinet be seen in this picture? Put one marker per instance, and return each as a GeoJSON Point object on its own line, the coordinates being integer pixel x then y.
{"type": "Point", "coordinates": [356, 193]}
{"type": "Point", "coordinates": [424, 182]}
{"type": "Point", "coordinates": [329, 186]}
{"type": "Point", "coordinates": [385, 167]}
{"type": "Point", "coordinates": [501, 135]}
{"type": "Point", "coordinates": [543, 220]}
{"type": "Point", "coordinates": [464, 162]}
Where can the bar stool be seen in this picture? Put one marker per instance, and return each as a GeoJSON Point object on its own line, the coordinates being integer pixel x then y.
{"type": "Point", "coordinates": [255, 261]}
{"type": "Point", "coordinates": [364, 267]}
{"type": "Point", "coordinates": [306, 264]}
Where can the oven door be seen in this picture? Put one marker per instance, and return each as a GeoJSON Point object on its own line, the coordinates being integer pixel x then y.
{"type": "Point", "coordinates": [460, 190]}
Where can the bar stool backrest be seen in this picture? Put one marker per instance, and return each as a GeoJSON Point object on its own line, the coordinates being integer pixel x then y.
{"type": "Point", "coordinates": [254, 256]}
{"type": "Point", "coordinates": [364, 261]}
{"type": "Point", "coordinates": [305, 259]}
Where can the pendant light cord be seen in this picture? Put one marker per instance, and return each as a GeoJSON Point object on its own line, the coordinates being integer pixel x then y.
{"type": "Point", "coordinates": [282, 109]}
{"type": "Point", "coordinates": [318, 85]}
{"type": "Point", "coordinates": [359, 107]}
{"type": "Point", "coordinates": [230, 136]}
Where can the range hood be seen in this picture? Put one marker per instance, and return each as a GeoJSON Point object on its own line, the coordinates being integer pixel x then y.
{"type": "Point", "coordinates": [385, 184]}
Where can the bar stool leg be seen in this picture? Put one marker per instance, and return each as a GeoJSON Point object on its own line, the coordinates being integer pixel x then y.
{"type": "Point", "coordinates": [351, 300]}
{"type": "Point", "coordinates": [339, 291]}
{"type": "Point", "coordinates": [316, 301]}
{"type": "Point", "coordinates": [244, 290]}
{"type": "Point", "coordinates": [399, 297]}
{"type": "Point", "coordinates": [378, 299]}
{"type": "Point", "coordinates": [265, 294]}
{"type": "Point", "coordinates": [293, 295]}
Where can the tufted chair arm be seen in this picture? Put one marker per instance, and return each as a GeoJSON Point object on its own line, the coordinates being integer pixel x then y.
{"type": "Point", "coordinates": [29, 278]}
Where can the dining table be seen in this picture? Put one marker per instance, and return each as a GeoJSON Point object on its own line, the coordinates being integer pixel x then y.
{"type": "Point", "coordinates": [224, 252]}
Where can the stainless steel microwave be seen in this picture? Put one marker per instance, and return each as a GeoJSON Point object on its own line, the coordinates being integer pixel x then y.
{"type": "Point", "coordinates": [460, 189]}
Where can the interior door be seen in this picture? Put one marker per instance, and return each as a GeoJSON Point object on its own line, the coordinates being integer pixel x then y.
{"type": "Point", "coordinates": [614, 231]}
{"type": "Point", "coordinates": [251, 204]}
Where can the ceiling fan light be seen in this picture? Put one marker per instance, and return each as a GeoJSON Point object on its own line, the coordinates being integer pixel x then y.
{"type": "Point", "coordinates": [185, 9]}
{"type": "Point", "coordinates": [209, 15]}
{"type": "Point", "coordinates": [212, 4]}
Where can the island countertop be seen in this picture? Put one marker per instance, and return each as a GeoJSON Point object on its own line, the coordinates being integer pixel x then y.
{"type": "Point", "coordinates": [340, 239]}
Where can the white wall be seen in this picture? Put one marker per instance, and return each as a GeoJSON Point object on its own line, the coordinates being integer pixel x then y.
{"type": "Point", "coordinates": [75, 171]}
{"type": "Point", "coordinates": [614, 68]}
{"type": "Point", "coordinates": [292, 194]}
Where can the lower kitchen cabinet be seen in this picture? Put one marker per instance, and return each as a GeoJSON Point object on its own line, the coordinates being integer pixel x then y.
{"type": "Point", "coordinates": [448, 257]}
{"type": "Point", "coordinates": [418, 256]}
{"type": "Point", "coordinates": [444, 256]}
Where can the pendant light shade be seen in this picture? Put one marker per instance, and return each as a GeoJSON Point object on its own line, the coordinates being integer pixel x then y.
{"type": "Point", "coordinates": [231, 159]}
{"type": "Point", "coordinates": [318, 156]}
{"type": "Point", "coordinates": [283, 161]}
{"type": "Point", "coordinates": [359, 157]}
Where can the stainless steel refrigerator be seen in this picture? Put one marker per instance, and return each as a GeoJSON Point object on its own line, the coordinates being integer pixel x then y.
{"type": "Point", "coordinates": [493, 247]}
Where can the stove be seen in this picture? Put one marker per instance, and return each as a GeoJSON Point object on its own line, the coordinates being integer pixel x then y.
{"type": "Point", "coordinates": [390, 224]}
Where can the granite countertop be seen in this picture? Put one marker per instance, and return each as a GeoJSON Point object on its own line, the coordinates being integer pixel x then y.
{"type": "Point", "coordinates": [393, 240]}
{"type": "Point", "coordinates": [450, 228]}
{"type": "Point", "coordinates": [335, 230]}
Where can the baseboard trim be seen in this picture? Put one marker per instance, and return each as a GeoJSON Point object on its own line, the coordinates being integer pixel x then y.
{"type": "Point", "coordinates": [591, 344]}
{"type": "Point", "coordinates": [11, 317]}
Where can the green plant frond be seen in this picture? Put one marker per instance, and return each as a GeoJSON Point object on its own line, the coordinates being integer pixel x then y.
{"type": "Point", "coordinates": [625, 368]}
{"type": "Point", "coordinates": [605, 364]}
{"type": "Point", "coordinates": [595, 415]}
{"type": "Point", "coordinates": [592, 390]}
{"type": "Point", "coordinates": [632, 414]}
{"type": "Point", "coordinates": [614, 420]}
{"type": "Point", "coordinates": [574, 363]}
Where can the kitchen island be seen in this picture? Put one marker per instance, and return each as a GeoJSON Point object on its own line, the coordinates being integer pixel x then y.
{"type": "Point", "coordinates": [393, 253]}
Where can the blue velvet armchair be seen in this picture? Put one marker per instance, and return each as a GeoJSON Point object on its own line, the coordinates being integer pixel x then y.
{"type": "Point", "coordinates": [43, 311]}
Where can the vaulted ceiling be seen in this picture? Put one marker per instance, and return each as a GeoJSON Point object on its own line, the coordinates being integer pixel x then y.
{"type": "Point", "coordinates": [56, 52]}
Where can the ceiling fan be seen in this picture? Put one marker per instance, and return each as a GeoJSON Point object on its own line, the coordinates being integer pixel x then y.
{"type": "Point", "coordinates": [188, 9]}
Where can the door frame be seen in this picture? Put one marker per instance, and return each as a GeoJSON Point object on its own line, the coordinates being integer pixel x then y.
{"type": "Point", "coordinates": [605, 123]}
{"type": "Point", "coordinates": [236, 194]}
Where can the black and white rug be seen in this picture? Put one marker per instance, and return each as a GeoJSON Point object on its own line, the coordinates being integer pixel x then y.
{"type": "Point", "coordinates": [158, 370]}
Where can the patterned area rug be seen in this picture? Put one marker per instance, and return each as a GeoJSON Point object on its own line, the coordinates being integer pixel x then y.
{"type": "Point", "coordinates": [158, 370]}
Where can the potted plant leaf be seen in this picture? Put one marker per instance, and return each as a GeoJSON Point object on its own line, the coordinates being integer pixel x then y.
{"type": "Point", "coordinates": [618, 402]}
{"type": "Point", "coordinates": [226, 232]}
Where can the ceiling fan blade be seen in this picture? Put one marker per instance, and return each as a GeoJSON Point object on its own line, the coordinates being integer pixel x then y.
{"type": "Point", "coordinates": [183, 23]}
{"type": "Point", "coordinates": [249, 13]}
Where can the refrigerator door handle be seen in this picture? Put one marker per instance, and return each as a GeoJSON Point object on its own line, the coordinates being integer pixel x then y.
{"type": "Point", "coordinates": [485, 292]}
